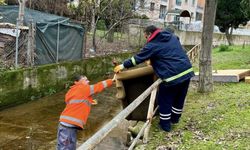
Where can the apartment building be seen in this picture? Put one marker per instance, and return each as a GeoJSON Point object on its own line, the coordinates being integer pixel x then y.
{"type": "Point", "coordinates": [184, 11]}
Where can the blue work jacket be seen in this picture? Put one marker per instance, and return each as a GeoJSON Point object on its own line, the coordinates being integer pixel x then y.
{"type": "Point", "coordinates": [167, 57]}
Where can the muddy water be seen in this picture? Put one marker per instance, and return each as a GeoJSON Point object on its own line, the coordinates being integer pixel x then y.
{"type": "Point", "coordinates": [33, 126]}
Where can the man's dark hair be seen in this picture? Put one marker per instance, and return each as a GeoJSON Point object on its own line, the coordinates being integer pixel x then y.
{"type": "Point", "coordinates": [150, 29]}
{"type": "Point", "coordinates": [77, 77]}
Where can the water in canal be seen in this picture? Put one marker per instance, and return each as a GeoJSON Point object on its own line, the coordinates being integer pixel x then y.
{"type": "Point", "coordinates": [33, 126]}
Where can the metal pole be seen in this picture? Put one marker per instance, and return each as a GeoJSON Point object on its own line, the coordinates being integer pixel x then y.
{"type": "Point", "coordinates": [29, 44]}
{"type": "Point", "coordinates": [32, 43]}
{"type": "Point", "coordinates": [57, 44]}
{"type": "Point", "coordinates": [99, 136]}
{"type": "Point", "coordinates": [17, 35]}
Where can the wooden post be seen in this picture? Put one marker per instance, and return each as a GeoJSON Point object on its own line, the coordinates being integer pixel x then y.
{"type": "Point", "coordinates": [146, 125]}
{"type": "Point", "coordinates": [150, 114]}
{"type": "Point", "coordinates": [99, 136]}
{"type": "Point", "coordinates": [139, 134]}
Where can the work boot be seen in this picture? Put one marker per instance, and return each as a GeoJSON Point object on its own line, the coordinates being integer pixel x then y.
{"type": "Point", "coordinates": [165, 127]}
{"type": "Point", "coordinates": [174, 121]}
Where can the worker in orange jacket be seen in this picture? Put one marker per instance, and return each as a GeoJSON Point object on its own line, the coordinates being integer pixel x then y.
{"type": "Point", "coordinates": [78, 104]}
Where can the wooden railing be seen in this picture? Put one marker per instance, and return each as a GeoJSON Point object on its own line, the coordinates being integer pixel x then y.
{"type": "Point", "coordinates": [194, 53]}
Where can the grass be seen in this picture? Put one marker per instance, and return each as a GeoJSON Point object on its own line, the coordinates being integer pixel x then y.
{"type": "Point", "coordinates": [235, 58]}
{"type": "Point", "coordinates": [117, 35]}
{"type": "Point", "coordinates": [215, 121]}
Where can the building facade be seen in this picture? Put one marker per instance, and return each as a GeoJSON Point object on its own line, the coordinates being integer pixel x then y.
{"type": "Point", "coordinates": [171, 10]}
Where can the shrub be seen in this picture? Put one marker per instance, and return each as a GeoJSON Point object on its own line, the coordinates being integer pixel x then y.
{"type": "Point", "coordinates": [101, 25]}
{"type": "Point", "coordinates": [223, 48]}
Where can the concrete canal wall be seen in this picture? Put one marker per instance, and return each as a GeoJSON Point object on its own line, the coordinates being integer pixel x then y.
{"type": "Point", "coordinates": [23, 85]}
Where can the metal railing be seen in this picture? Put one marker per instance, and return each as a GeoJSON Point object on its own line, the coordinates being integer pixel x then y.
{"type": "Point", "coordinates": [102, 133]}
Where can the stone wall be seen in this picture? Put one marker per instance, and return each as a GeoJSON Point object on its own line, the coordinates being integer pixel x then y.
{"type": "Point", "coordinates": [23, 85]}
{"type": "Point", "coordinates": [193, 38]}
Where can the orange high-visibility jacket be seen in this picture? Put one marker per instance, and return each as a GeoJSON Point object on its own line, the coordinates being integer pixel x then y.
{"type": "Point", "coordinates": [78, 102]}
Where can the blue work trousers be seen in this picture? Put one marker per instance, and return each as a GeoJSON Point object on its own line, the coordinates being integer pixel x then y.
{"type": "Point", "coordinates": [66, 138]}
{"type": "Point", "coordinates": [171, 100]}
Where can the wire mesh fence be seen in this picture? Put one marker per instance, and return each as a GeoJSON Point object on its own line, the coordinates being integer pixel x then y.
{"type": "Point", "coordinates": [127, 37]}
{"type": "Point", "coordinates": [14, 51]}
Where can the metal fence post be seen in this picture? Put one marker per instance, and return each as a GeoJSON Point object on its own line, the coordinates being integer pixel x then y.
{"type": "Point", "coordinates": [30, 50]}
{"type": "Point", "coordinates": [57, 43]}
{"type": "Point", "coordinates": [17, 35]}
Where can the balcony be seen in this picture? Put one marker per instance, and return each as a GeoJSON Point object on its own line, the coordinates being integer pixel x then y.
{"type": "Point", "coordinates": [200, 9]}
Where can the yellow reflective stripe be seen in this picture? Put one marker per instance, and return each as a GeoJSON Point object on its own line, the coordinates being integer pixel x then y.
{"type": "Point", "coordinates": [133, 61]}
{"type": "Point", "coordinates": [75, 101]}
{"type": "Point", "coordinates": [178, 75]}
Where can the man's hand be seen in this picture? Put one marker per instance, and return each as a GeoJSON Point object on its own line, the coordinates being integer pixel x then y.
{"type": "Point", "coordinates": [148, 62]}
{"type": "Point", "coordinates": [118, 68]}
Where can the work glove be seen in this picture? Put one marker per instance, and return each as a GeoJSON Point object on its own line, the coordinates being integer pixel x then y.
{"type": "Point", "coordinates": [148, 62]}
{"type": "Point", "coordinates": [118, 68]}
{"type": "Point", "coordinates": [114, 78]}
{"type": "Point", "coordinates": [94, 102]}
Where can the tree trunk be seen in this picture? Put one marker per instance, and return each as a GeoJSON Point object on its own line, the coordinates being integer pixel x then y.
{"type": "Point", "coordinates": [93, 11]}
{"type": "Point", "coordinates": [94, 37]}
{"type": "Point", "coordinates": [205, 62]}
{"type": "Point", "coordinates": [229, 36]}
{"type": "Point", "coordinates": [111, 35]}
{"type": "Point", "coordinates": [21, 11]}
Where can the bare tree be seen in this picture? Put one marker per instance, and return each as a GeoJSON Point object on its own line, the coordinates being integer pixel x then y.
{"type": "Point", "coordinates": [113, 12]}
{"type": "Point", "coordinates": [205, 62]}
{"type": "Point", "coordinates": [21, 11]}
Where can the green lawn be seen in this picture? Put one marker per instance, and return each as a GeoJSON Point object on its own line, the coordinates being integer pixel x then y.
{"type": "Point", "coordinates": [236, 58]}
{"type": "Point", "coordinates": [117, 35]}
{"type": "Point", "coordinates": [216, 121]}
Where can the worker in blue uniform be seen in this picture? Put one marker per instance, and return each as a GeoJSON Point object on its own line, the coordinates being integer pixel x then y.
{"type": "Point", "coordinates": [172, 65]}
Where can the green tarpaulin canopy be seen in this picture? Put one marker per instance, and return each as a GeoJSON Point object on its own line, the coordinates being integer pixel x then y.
{"type": "Point", "coordinates": [56, 37]}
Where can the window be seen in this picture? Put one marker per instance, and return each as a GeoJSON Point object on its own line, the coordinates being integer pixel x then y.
{"type": "Point", "coordinates": [152, 6]}
{"type": "Point", "coordinates": [164, 0]}
{"type": "Point", "coordinates": [193, 3]}
{"type": "Point", "coordinates": [142, 3]}
{"type": "Point", "coordinates": [162, 11]}
{"type": "Point", "coordinates": [198, 16]}
{"type": "Point", "coordinates": [178, 2]}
